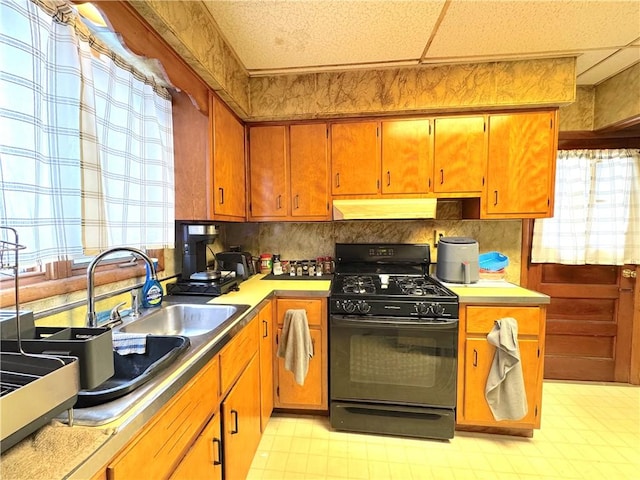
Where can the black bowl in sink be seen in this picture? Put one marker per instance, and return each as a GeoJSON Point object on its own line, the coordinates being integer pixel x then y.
{"type": "Point", "coordinates": [133, 370]}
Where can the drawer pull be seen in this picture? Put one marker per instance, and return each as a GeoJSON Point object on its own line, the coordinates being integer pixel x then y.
{"type": "Point", "coordinates": [235, 422]}
{"type": "Point", "coordinates": [217, 447]}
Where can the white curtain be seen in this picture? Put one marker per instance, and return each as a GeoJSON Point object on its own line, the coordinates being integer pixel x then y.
{"type": "Point", "coordinates": [86, 149]}
{"type": "Point", "coordinates": [127, 158]}
{"type": "Point", "coordinates": [597, 210]}
{"type": "Point", "coordinates": [40, 133]}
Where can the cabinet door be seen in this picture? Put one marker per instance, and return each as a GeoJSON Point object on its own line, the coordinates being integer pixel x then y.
{"type": "Point", "coordinates": [229, 186]}
{"type": "Point", "coordinates": [478, 360]}
{"type": "Point", "coordinates": [309, 167]}
{"type": "Point", "coordinates": [355, 158]}
{"type": "Point", "coordinates": [267, 343]}
{"type": "Point", "coordinates": [521, 164]}
{"type": "Point", "coordinates": [459, 154]}
{"type": "Point", "coordinates": [241, 422]}
{"type": "Point", "coordinates": [311, 394]}
{"type": "Point", "coordinates": [406, 157]}
{"type": "Point", "coordinates": [204, 459]}
{"type": "Point", "coordinates": [268, 166]}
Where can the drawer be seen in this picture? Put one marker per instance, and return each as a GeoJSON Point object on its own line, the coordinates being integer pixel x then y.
{"type": "Point", "coordinates": [480, 319]}
{"type": "Point", "coordinates": [237, 353]}
{"type": "Point", "coordinates": [313, 307]}
{"type": "Point", "coordinates": [157, 451]}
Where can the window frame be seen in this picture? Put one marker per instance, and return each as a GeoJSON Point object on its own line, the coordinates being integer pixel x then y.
{"type": "Point", "coordinates": [59, 278]}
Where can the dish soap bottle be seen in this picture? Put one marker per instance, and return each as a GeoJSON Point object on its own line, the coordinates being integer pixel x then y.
{"type": "Point", "coordinates": [151, 291]}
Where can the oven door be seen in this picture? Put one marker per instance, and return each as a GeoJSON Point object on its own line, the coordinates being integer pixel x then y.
{"type": "Point", "coordinates": [391, 360]}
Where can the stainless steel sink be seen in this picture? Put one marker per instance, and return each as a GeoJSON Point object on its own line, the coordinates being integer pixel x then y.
{"type": "Point", "coordinates": [184, 319]}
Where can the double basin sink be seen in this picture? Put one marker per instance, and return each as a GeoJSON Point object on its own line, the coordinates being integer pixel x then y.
{"type": "Point", "coordinates": [171, 331]}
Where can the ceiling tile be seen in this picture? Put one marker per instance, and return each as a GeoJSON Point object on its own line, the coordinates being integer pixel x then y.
{"type": "Point", "coordinates": [495, 28]}
{"type": "Point", "coordinates": [289, 33]}
{"type": "Point", "coordinates": [609, 67]}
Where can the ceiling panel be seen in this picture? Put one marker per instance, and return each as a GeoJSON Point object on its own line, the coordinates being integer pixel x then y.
{"type": "Point", "coordinates": [491, 29]}
{"type": "Point", "coordinates": [285, 34]}
{"type": "Point", "coordinates": [610, 66]}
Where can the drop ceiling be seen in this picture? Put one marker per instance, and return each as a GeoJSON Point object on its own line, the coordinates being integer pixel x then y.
{"type": "Point", "coordinates": [296, 36]}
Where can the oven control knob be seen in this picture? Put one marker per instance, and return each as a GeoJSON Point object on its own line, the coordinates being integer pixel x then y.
{"type": "Point", "coordinates": [437, 309]}
{"type": "Point", "coordinates": [363, 307]}
{"type": "Point", "coordinates": [422, 308]}
{"type": "Point", "coordinates": [349, 306]}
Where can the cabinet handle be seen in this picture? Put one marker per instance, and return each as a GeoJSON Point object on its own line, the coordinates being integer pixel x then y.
{"type": "Point", "coordinates": [441, 176]}
{"type": "Point", "coordinates": [495, 201]}
{"type": "Point", "coordinates": [217, 446]}
{"type": "Point", "coordinates": [475, 357]}
{"type": "Point", "coordinates": [388, 178]}
{"type": "Point", "coordinates": [266, 329]}
{"type": "Point", "coordinates": [296, 201]}
{"type": "Point", "coordinates": [235, 422]}
{"type": "Point", "coordinates": [337, 180]}
{"type": "Point", "coordinates": [221, 192]}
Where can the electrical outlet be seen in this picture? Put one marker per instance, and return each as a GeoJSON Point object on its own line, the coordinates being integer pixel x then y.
{"type": "Point", "coordinates": [438, 234]}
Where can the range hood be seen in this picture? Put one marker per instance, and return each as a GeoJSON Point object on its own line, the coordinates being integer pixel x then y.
{"type": "Point", "coordinates": [384, 208]}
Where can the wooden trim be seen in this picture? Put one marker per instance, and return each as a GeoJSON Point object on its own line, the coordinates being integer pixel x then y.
{"type": "Point", "coordinates": [525, 251]}
{"type": "Point", "coordinates": [634, 361]}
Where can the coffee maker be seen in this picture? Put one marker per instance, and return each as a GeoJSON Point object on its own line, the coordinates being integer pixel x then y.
{"type": "Point", "coordinates": [195, 239]}
{"type": "Point", "coordinates": [197, 278]}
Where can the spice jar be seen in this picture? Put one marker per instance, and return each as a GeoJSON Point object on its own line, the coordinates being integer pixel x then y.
{"type": "Point", "coordinates": [277, 267]}
{"type": "Point", "coordinates": [266, 263]}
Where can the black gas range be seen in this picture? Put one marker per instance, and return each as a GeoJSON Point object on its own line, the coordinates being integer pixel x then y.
{"type": "Point", "coordinates": [391, 280]}
{"type": "Point", "coordinates": [393, 342]}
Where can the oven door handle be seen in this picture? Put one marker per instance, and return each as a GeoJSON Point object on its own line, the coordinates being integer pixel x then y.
{"type": "Point", "coordinates": [390, 323]}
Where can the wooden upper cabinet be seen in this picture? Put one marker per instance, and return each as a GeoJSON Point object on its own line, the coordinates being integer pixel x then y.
{"type": "Point", "coordinates": [229, 186]}
{"type": "Point", "coordinates": [406, 156]}
{"type": "Point", "coordinates": [191, 159]}
{"type": "Point", "coordinates": [521, 165]}
{"type": "Point", "coordinates": [268, 165]}
{"type": "Point", "coordinates": [309, 167]}
{"type": "Point", "coordinates": [459, 154]}
{"type": "Point", "coordinates": [355, 158]}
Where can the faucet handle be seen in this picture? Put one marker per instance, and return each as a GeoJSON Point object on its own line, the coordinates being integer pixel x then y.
{"type": "Point", "coordinates": [135, 302]}
{"type": "Point", "coordinates": [115, 314]}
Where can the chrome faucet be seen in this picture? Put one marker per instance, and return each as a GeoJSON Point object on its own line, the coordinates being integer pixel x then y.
{"type": "Point", "coordinates": [92, 320]}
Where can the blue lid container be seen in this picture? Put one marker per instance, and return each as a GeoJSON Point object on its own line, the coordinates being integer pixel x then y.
{"type": "Point", "coordinates": [493, 261]}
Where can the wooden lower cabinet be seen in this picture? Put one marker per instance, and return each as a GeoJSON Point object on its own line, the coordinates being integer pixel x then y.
{"type": "Point", "coordinates": [204, 459]}
{"type": "Point", "coordinates": [313, 395]}
{"type": "Point", "coordinates": [241, 422]}
{"type": "Point", "coordinates": [156, 452]}
{"type": "Point", "coordinates": [475, 357]}
{"type": "Point", "coordinates": [267, 342]}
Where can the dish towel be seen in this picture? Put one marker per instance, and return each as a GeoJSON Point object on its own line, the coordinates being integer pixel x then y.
{"type": "Point", "coordinates": [295, 344]}
{"type": "Point", "coordinates": [127, 343]}
{"type": "Point", "coordinates": [505, 392]}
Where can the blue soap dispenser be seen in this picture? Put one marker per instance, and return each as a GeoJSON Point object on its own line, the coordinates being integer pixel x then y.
{"type": "Point", "coordinates": [151, 290]}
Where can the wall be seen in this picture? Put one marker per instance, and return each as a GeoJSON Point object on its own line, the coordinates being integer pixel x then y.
{"type": "Point", "coordinates": [304, 241]}
{"type": "Point", "coordinates": [613, 101]}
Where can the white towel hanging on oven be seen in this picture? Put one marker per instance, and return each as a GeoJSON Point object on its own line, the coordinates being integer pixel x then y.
{"type": "Point", "coordinates": [295, 344]}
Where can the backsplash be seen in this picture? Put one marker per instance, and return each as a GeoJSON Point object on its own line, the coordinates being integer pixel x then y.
{"type": "Point", "coordinates": [309, 240]}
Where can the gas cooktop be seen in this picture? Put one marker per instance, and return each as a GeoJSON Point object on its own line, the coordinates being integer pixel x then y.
{"type": "Point", "coordinates": [389, 280]}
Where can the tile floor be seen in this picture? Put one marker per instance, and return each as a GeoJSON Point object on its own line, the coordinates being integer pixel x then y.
{"type": "Point", "coordinates": [589, 431]}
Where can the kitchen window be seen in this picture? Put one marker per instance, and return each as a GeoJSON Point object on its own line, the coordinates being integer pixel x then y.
{"type": "Point", "coordinates": [597, 210]}
{"type": "Point", "coordinates": [86, 151]}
